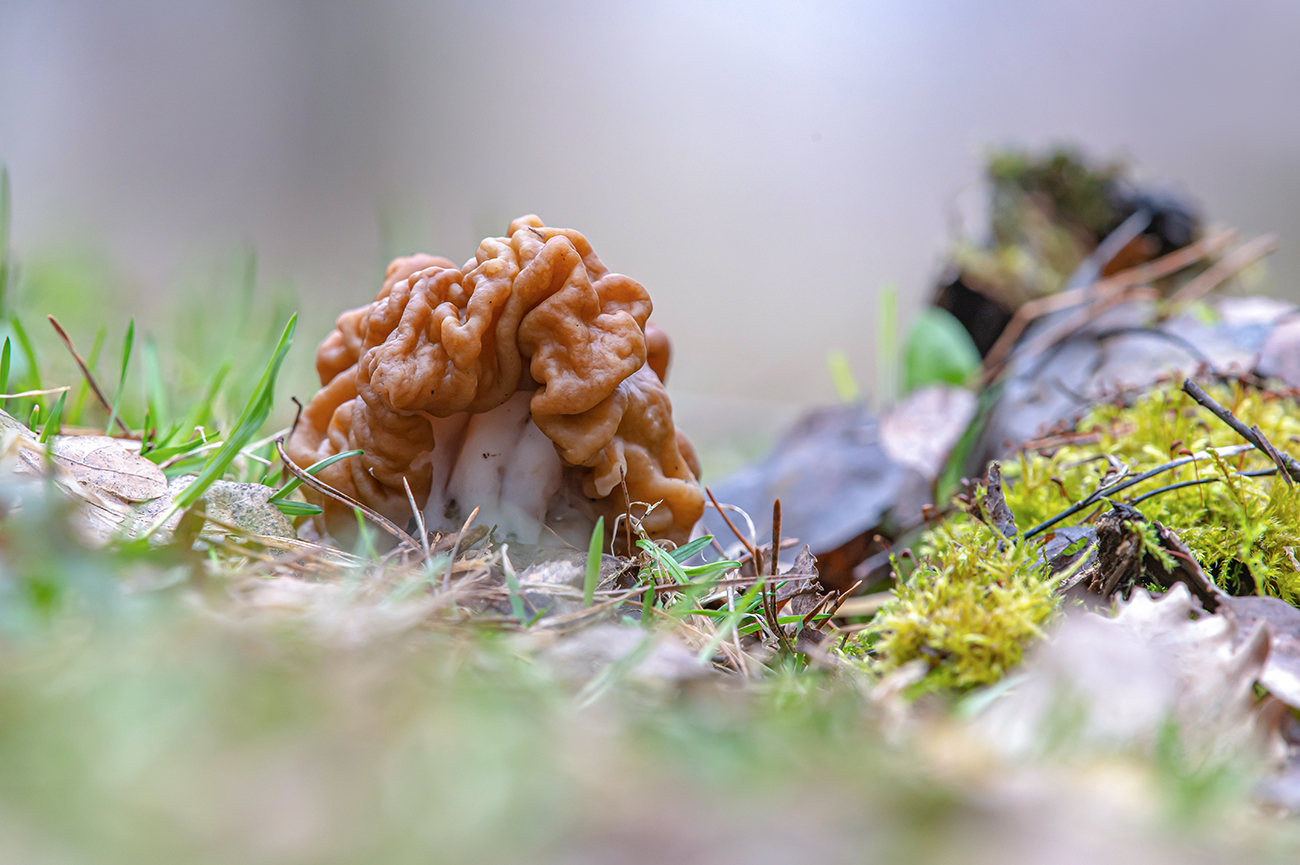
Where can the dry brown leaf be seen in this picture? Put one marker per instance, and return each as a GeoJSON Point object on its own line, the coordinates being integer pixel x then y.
{"type": "Point", "coordinates": [102, 463]}
{"type": "Point", "coordinates": [1116, 682]}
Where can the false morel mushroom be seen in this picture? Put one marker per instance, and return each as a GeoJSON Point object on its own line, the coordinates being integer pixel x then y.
{"type": "Point", "coordinates": [526, 383]}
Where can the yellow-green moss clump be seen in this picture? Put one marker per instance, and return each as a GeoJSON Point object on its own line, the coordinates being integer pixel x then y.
{"type": "Point", "coordinates": [970, 608]}
{"type": "Point", "coordinates": [975, 601]}
{"type": "Point", "coordinates": [1243, 530]}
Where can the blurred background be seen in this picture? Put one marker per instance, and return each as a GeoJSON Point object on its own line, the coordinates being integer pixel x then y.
{"type": "Point", "coordinates": [763, 168]}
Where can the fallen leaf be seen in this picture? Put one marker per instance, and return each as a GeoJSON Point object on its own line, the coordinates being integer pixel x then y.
{"type": "Point", "coordinates": [1282, 673]}
{"type": "Point", "coordinates": [104, 464]}
{"type": "Point", "coordinates": [245, 506]}
{"type": "Point", "coordinates": [1117, 682]}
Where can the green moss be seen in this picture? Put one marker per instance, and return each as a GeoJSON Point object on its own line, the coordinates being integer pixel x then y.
{"type": "Point", "coordinates": [970, 608]}
{"type": "Point", "coordinates": [976, 601]}
{"type": "Point", "coordinates": [1242, 530]}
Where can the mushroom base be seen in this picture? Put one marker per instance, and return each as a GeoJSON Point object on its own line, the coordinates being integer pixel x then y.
{"type": "Point", "coordinates": [501, 463]}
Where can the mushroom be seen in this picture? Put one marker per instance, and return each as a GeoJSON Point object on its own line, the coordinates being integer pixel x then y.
{"type": "Point", "coordinates": [526, 383]}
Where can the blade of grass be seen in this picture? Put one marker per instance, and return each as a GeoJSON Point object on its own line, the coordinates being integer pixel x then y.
{"type": "Point", "coordinates": [25, 343]}
{"type": "Point", "coordinates": [664, 561]}
{"type": "Point", "coordinates": [199, 415]}
{"type": "Point", "coordinates": [160, 455]}
{"type": "Point", "coordinates": [74, 416]}
{"type": "Point", "coordinates": [593, 562]}
{"type": "Point", "coordinates": [512, 585]}
{"type": "Point", "coordinates": [298, 509]}
{"type": "Point", "coordinates": [684, 552]}
{"type": "Point", "coordinates": [53, 421]}
{"type": "Point", "coordinates": [312, 469]}
{"type": "Point", "coordinates": [4, 235]}
{"type": "Point", "coordinates": [4, 371]}
{"type": "Point", "coordinates": [743, 606]}
{"type": "Point", "coordinates": [250, 421]}
{"type": "Point", "coordinates": [128, 342]}
{"type": "Point", "coordinates": [155, 390]}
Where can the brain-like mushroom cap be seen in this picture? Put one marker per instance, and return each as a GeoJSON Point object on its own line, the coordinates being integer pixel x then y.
{"type": "Point", "coordinates": [535, 311]}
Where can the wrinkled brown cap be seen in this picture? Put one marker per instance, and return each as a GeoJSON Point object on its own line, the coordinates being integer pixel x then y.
{"type": "Point", "coordinates": [535, 311]}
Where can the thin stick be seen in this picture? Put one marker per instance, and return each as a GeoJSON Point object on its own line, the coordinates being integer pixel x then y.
{"type": "Point", "coordinates": [776, 535]}
{"type": "Point", "coordinates": [1144, 273]}
{"type": "Point", "coordinates": [1223, 269]}
{"type": "Point", "coordinates": [455, 548]}
{"type": "Point", "coordinates": [1273, 453]}
{"type": "Point", "coordinates": [327, 490]}
{"type": "Point", "coordinates": [628, 523]}
{"type": "Point", "coordinates": [1200, 482]}
{"type": "Point", "coordinates": [839, 602]}
{"type": "Point", "coordinates": [419, 517]}
{"type": "Point", "coordinates": [753, 553]}
{"type": "Point", "coordinates": [1284, 461]}
{"type": "Point", "coordinates": [1125, 483]}
{"type": "Point", "coordinates": [776, 548]}
{"type": "Point", "coordinates": [27, 393]}
{"type": "Point", "coordinates": [85, 371]}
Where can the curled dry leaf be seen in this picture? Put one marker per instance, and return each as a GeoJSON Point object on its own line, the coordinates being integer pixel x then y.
{"type": "Point", "coordinates": [1282, 673]}
{"type": "Point", "coordinates": [1118, 682]}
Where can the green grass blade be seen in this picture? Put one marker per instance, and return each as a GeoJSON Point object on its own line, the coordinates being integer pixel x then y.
{"type": "Point", "coordinates": [53, 422]}
{"type": "Point", "coordinates": [299, 509]}
{"type": "Point", "coordinates": [4, 369]}
{"type": "Point", "coordinates": [593, 562]}
{"type": "Point", "coordinates": [743, 606]}
{"type": "Point", "coordinates": [250, 421]}
{"type": "Point", "coordinates": [846, 386]}
{"type": "Point", "coordinates": [4, 235]}
{"type": "Point", "coordinates": [155, 390]}
{"type": "Point", "coordinates": [203, 411]}
{"type": "Point", "coordinates": [512, 585]}
{"type": "Point", "coordinates": [663, 561]}
{"type": "Point", "coordinates": [685, 551]}
{"type": "Point", "coordinates": [159, 455]}
{"type": "Point", "coordinates": [709, 570]}
{"type": "Point", "coordinates": [74, 416]}
{"type": "Point", "coordinates": [294, 483]}
{"type": "Point", "coordinates": [128, 342]}
{"type": "Point", "coordinates": [25, 343]}
{"type": "Point", "coordinates": [886, 345]}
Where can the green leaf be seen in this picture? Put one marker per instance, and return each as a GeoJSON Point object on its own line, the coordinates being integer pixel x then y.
{"type": "Point", "coordinates": [160, 455]}
{"type": "Point", "coordinates": [25, 343]}
{"type": "Point", "coordinates": [743, 606]}
{"type": "Point", "coordinates": [4, 367]}
{"type": "Point", "coordinates": [846, 386]}
{"type": "Point", "coordinates": [298, 509]}
{"type": "Point", "coordinates": [128, 342]}
{"type": "Point", "coordinates": [685, 551]}
{"type": "Point", "coordinates": [52, 422]}
{"type": "Point", "coordinates": [4, 236]}
{"type": "Point", "coordinates": [512, 585]}
{"type": "Point", "coordinates": [593, 562]}
{"type": "Point", "coordinates": [938, 350]}
{"type": "Point", "coordinates": [710, 569]}
{"type": "Point", "coordinates": [294, 483]}
{"type": "Point", "coordinates": [663, 561]}
{"type": "Point", "coordinates": [250, 421]}
{"type": "Point", "coordinates": [74, 416]}
{"type": "Point", "coordinates": [886, 344]}
{"type": "Point", "coordinates": [155, 391]}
